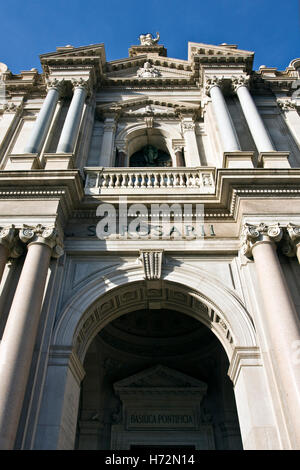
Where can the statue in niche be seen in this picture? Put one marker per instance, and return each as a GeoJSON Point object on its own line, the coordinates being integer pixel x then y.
{"type": "Point", "coordinates": [148, 39]}
{"type": "Point", "coordinates": [150, 156]}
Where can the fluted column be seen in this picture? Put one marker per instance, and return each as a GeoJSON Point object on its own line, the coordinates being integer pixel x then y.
{"type": "Point", "coordinates": [252, 116]}
{"type": "Point", "coordinates": [72, 122]}
{"type": "Point", "coordinates": [279, 319]}
{"type": "Point", "coordinates": [44, 118]}
{"type": "Point", "coordinates": [9, 246]}
{"type": "Point", "coordinates": [20, 332]}
{"type": "Point", "coordinates": [228, 134]}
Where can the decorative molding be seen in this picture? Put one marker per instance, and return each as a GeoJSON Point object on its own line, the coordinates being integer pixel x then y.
{"type": "Point", "coordinates": [152, 263]}
{"type": "Point", "coordinates": [243, 357]}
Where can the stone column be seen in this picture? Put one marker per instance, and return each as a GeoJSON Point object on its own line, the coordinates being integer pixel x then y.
{"type": "Point", "coordinates": [192, 154]}
{"type": "Point", "coordinates": [279, 319]}
{"type": "Point", "coordinates": [20, 332]}
{"type": "Point", "coordinates": [253, 118]}
{"type": "Point", "coordinates": [228, 134]}
{"type": "Point", "coordinates": [71, 126]}
{"type": "Point", "coordinates": [108, 141]}
{"type": "Point", "coordinates": [179, 157]}
{"type": "Point", "coordinates": [44, 118]}
{"type": "Point", "coordinates": [9, 246]}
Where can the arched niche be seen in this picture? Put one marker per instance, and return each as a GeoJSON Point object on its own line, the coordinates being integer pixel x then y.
{"type": "Point", "coordinates": [108, 295]}
{"type": "Point", "coordinates": [150, 156]}
{"type": "Point", "coordinates": [134, 136]}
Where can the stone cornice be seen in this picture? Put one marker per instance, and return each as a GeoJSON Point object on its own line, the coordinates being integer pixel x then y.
{"type": "Point", "coordinates": [64, 186]}
{"type": "Point", "coordinates": [232, 187]}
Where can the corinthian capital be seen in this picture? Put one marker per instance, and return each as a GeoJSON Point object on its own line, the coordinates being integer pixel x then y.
{"type": "Point", "coordinates": [81, 83]}
{"type": "Point", "coordinates": [12, 107]}
{"type": "Point", "coordinates": [252, 234]}
{"type": "Point", "coordinates": [286, 104]}
{"type": "Point", "coordinates": [187, 126]}
{"type": "Point", "coordinates": [54, 83]}
{"type": "Point", "coordinates": [9, 239]}
{"type": "Point", "coordinates": [47, 235]}
{"type": "Point", "coordinates": [241, 80]}
{"type": "Point", "coordinates": [211, 82]}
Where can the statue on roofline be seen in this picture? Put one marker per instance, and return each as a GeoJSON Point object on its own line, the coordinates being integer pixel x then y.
{"type": "Point", "coordinates": [148, 39]}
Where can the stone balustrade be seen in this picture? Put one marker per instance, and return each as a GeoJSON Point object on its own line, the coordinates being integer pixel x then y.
{"type": "Point", "coordinates": [108, 180]}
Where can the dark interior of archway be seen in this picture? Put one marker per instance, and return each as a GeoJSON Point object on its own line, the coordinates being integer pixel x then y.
{"type": "Point", "coordinates": [142, 339]}
{"type": "Point", "coordinates": [150, 156]}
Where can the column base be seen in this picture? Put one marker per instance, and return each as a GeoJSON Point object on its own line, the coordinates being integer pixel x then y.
{"type": "Point", "coordinates": [59, 161]}
{"type": "Point", "coordinates": [238, 159]}
{"type": "Point", "coordinates": [24, 161]}
{"type": "Point", "coordinates": [274, 160]}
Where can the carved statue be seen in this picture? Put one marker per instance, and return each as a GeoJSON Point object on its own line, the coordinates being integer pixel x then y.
{"type": "Point", "coordinates": [148, 39]}
{"type": "Point", "coordinates": [150, 155]}
{"type": "Point", "coordinates": [147, 71]}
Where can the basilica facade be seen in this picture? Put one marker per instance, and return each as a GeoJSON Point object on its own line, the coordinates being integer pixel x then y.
{"type": "Point", "coordinates": [149, 251]}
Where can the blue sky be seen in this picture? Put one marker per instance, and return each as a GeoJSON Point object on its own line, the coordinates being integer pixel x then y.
{"type": "Point", "coordinates": [270, 28]}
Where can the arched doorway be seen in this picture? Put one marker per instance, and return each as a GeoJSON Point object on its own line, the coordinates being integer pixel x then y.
{"type": "Point", "coordinates": [157, 377]}
{"type": "Point", "coordinates": [114, 292]}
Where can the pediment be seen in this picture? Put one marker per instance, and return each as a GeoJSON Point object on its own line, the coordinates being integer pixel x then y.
{"type": "Point", "coordinates": [223, 53]}
{"type": "Point", "coordinates": [159, 72]}
{"type": "Point", "coordinates": [76, 52]}
{"type": "Point", "coordinates": [93, 55]}
{"type": "Point", "coordinates": [145, 106]}
{"type": "Point", "coordinates": [160, 378]}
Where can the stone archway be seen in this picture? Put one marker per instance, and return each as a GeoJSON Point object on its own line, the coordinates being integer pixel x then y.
{"type": "Point", "coordinates": [118, 291]}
